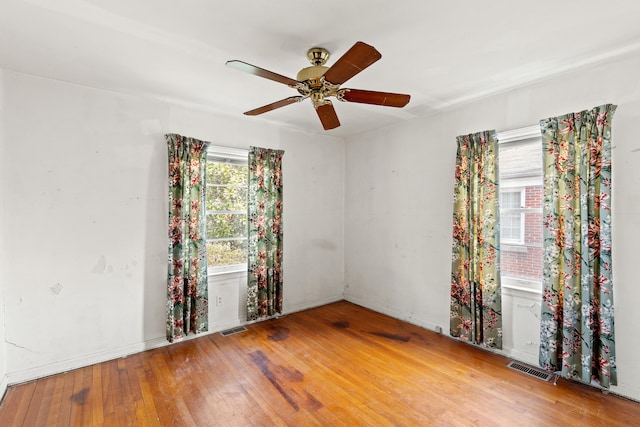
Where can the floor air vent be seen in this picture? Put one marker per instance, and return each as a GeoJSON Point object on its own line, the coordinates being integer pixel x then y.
{"type": "Point", "coordinates": [534, 372]}
{"type": "Point", "coordinates": [233, 331]}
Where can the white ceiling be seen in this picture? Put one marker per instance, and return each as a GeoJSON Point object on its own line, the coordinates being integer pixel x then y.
{"type": "Point", "coordinates": [441, 53]}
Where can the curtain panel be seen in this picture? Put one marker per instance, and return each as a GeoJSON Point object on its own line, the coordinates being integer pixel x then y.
{"type": "Point", "coordinates": [187, 289]}
{"type": "Point", "coordinates": [264, 293]}
{"type": "Point", "coordinates": [476, 302]}
{"type": "Point", "coordinates": [577, 326]}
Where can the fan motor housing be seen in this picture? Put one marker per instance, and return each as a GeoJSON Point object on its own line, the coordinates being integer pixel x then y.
{"type": "Point", "coordinates": [318, 55]}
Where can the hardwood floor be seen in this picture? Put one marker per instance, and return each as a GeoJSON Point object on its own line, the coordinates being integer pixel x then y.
{"type": "Point", "coordinates": [334, 365]}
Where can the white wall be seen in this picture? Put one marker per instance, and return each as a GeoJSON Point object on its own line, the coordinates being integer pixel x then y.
{"type": "Point", "coordinates": [3, 344]}
{"type": "Point", "coordinates": [85, 220]}
{"type": "Point", "coordinates": [399, 210]}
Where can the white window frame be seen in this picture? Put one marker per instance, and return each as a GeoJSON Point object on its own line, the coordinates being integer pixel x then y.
{"type": "Point", "coordinates": [236, 156]}
{"type": "Point", "coordinates": [506, 137]}
{"type": "Point", "coordinates": [515, 135]}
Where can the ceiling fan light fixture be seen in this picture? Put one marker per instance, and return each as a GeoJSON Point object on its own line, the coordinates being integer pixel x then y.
{"type": "Point", "coordinates": [311, 73]}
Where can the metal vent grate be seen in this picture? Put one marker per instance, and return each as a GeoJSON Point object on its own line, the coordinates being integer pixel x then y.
{"type": "Point", "coordinates": [529, 370]}
{"type": "Point", "coordinates": [233, 331]}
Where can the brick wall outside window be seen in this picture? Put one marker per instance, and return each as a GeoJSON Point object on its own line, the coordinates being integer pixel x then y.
{"type": "Point", "coordinates": [525, 261]}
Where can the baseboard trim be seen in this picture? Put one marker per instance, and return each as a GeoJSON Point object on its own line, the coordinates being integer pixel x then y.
{"type": "Point", "coordinates": [423, 323]}
{"type": "Point", "coordinates": [4, 384]}
{"type": "Point", "coordinates": [70, 364]}
{"type": "Point", "coordinates": [312, 304]}
{"type": "Point", "coordinates": [82, 361]}
{"type": "Point", "coordinates": [520, 356]}
{"type": "Point", "coordinates": [59, 367]}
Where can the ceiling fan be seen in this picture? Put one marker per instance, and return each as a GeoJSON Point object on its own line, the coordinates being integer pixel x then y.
{"type": "Point", "coordinates": [319, 83]}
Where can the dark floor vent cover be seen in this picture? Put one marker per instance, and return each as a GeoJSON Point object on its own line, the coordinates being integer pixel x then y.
{"type": "Point", "coordinates": [529, 370]}
{"type": "Point", "coordinates": [233, 331]}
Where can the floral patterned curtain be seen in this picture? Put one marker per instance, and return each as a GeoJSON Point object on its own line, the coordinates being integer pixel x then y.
{"type": "Point", "coordinates": [577, 335]}
{"type": "Point", "coordinates": [187, 293]}
{"type": "Point", "coordinates": [476, 303]}
{"type": "Point", "coordinates": [264, 295]}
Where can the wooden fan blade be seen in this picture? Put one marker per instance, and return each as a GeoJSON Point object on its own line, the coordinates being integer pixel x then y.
{"type": "Point", "coordinates": [356, 59]}
{"type": "Point", "coordinates": [273, 106]}
{"type": "Point", "coordinates": [261, 72]}
{"type": "Point", "coordinates": [328, 116]}
{"type": "Point", "coordinates": [376, 98]}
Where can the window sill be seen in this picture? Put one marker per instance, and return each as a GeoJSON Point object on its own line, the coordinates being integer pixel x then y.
{"type": "Point", "coordinates": [230, 272]}
{"type": "Point", "coordinates": [513, 247]}
{"type": "Point", "coordinates": [522, 285]}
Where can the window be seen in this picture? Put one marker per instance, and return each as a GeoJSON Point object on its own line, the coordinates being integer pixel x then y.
{"type": "Point", "coordinates": [520, 180]}
{"type": "Point", "coordinates": [226, 212]}
{"type": "Point", "coordinates": [511, 217]}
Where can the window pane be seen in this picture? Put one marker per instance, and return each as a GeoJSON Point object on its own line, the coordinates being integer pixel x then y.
{"type": "Point", "coordinates": [521, 187]}
{"type": "Point", "coordinates": [225, 173]}
{"type": "Point", "coordinates": [226, 218]}
{"type": "Point", "coordinates": [221, 226]}
{"type": "Point", "coordinates": [226, 252]}
{"type": "Point", "coordinates": [510, 199]}
{"type": "Point", "coordinates": [510, 226]}
{"type": "Point", "coordinates": [226, 198]}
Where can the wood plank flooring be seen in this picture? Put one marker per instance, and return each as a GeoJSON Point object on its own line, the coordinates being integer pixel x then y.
{"type": "Point", "coordinates": [336, 365]}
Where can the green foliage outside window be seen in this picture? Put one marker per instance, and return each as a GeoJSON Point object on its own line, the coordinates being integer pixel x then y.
{"type": "Point", "coordinates": [226, 204]}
